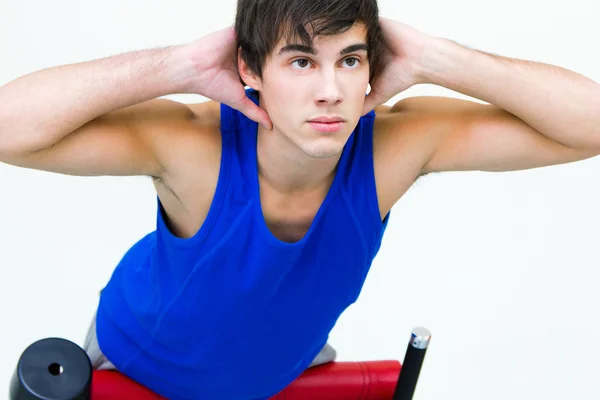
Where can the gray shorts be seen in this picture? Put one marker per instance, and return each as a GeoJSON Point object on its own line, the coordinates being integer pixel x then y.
{"type": "Point", "coordinates": [99, 360]}
{"type": "Point", "coordinates": [91, 347]}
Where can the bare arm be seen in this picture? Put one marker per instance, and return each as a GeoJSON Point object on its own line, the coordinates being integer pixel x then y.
{"type": "Point", "coordinates": [104, 117]}
{"type": "Point", "coordinates": [538, 114]}
{"type": "Point", "coordinates": [461, 135]}
{"type": "Point", "coordinates": [90, 115]}
{"type": "Point", "coordinates": [421, 135]}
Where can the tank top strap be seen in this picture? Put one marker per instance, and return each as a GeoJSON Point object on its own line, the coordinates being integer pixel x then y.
{"type": "Point", "coordinates": [359, 183]}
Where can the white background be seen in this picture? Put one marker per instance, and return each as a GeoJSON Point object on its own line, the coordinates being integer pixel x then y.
{"type": "Point", "coordinates": [501, 268]}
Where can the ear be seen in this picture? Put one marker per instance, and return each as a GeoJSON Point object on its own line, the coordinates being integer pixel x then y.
{"type": "Point", "coordinates": [249, 77]}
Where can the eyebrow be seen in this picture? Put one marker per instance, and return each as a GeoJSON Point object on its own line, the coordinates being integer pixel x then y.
{"type": "Point", "coordinates": [311, 50]}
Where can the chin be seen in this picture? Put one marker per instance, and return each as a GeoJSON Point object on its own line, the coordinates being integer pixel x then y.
{"type": "Point", "coordinates": [323, 151]}
{"type": "Point", "coordinates": [325, 147]}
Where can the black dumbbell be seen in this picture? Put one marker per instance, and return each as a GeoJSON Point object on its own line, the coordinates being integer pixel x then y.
{"type": "Point", "coordinates": [52, 369]}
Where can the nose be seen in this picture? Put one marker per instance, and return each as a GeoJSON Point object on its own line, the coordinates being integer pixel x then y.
{"type": "Point", "coordinates": [329, 90]}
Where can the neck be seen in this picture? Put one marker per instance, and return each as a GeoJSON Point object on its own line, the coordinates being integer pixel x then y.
{"type": "Point", "coordinates": [285, 168]}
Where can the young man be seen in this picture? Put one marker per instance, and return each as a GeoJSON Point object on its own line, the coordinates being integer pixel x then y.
{"type": "Point", "coordinates": [265, 234]}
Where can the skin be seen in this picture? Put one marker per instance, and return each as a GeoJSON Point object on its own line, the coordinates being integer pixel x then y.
{"type": "Point", "coordinates": [179, 145]}
{"type": "Point", "coordinates": [296, 162]}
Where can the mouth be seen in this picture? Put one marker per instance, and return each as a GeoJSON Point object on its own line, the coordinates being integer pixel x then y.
{"type": "Point", "coordinates": [327, 120]}
{"type": "Point", "coordinates": [327, 124]}
{"type": "Point", "coordinates": [326, 127]}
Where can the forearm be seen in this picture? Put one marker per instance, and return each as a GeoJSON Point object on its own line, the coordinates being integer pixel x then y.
{"type": "Point", "coordinates": [41, 108]}
{"type": "Point", "coordinates": [559, 103]}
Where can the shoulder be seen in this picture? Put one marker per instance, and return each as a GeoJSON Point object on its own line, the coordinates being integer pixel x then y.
{"type": "Point", "coordinates": [416, 125]}
{"type": "Point", "coordinates": [403, 141]}
{"type": "Point", "coordinates": [192, 150]}
{"type": "Point", "coordinates": [208, 113]}
{"type": "Point", "coordinates": [193, 158]}
{"type": "Point", "coordinates": [404, 131]}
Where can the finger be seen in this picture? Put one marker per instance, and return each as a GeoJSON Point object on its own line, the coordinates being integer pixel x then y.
{"type": "Point", "coordinates": [254, 112]}
{"type": "Point", "coordinates": [372, 100]}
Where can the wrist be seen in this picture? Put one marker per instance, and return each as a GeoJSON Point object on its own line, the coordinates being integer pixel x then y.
{"type": "Point", "coordinates": [441, 59]}
{"type": "Point", "coordinates": [180, 70]}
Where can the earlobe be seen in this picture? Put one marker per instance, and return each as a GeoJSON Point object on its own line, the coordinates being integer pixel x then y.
{"type": "Point", "coordinates": [247, 76]}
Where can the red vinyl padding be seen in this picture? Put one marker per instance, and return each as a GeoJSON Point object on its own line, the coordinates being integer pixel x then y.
{"type": "Point", "coordinates": [369, 380]}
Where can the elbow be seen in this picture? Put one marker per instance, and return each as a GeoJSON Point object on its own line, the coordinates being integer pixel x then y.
{"type": "Point", "coordinates": [16, 140]}
{"type": "Point", "coordinates": [9, 143]}
{"type": "Point", "coordinates": [12, 146]}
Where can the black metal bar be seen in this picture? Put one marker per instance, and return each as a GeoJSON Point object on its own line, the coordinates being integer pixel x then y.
{"type": "Point", "coordinates": [413, 362]}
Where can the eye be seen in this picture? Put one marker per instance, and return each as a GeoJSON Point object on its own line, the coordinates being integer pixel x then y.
{"type": "Point", "coordinates": [302, 60]}
{"type": "Point", "coordinates": [355, 62]}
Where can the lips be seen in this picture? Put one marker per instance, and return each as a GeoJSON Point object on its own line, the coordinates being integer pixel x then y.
{"type": "Point", "coordinates": [327, 120]}
{"type": "Point", "coordinates": [326, 127]}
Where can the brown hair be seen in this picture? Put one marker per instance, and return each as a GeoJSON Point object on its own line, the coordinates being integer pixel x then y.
{"type": "Point", "coordinates": [260, 24]}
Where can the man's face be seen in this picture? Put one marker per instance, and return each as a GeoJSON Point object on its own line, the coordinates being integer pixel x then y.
{"type": "Point", "coordinates": [329, 80]}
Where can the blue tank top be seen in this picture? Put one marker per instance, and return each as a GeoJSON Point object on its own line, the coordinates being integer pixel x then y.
{"type": "Point", "coordinates": [233, 312]}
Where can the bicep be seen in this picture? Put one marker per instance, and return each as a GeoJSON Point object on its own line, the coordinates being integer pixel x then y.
{"type": "Point", "coordinates": [468, 136]}
{"type": "Point", "coordinates": [125, 142]}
